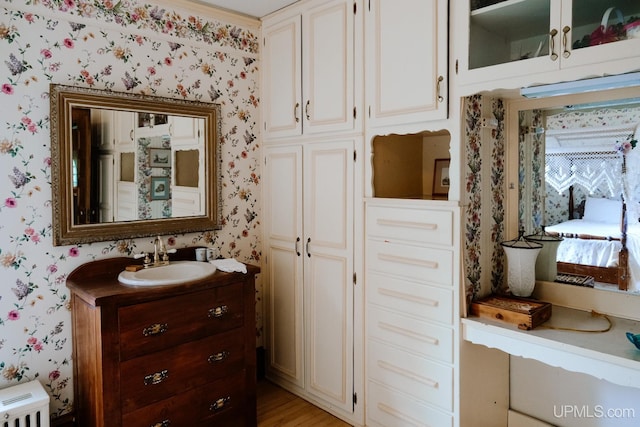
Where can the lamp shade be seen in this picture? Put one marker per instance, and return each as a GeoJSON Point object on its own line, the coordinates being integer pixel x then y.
{"type": "Point", "coordinates": [546, 262]}
{"type": "Point", "coordinates": [521, 265]}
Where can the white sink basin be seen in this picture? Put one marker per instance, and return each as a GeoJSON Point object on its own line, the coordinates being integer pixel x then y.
{"type": "Point", "coordinates": [171, 274]}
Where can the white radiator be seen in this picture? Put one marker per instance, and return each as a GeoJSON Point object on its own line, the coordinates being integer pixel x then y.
{"type": "Point", "coordinates": [24, 405]}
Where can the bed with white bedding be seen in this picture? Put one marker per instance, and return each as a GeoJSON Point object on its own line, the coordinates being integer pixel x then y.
{"type": "Point", "coordinates": [600, 244]}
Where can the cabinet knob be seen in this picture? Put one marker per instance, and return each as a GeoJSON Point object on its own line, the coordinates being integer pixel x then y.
{"type": "Point", "coordinates": [163, 423]}
{"type": "Point", "coordinates": [295, 112]}
{"type": "Point", "coordinates": [306, 110]}
{"type": "Point", "coordinates": [218, 311]}
{"type": "Point", "coordinates": [219, 404]}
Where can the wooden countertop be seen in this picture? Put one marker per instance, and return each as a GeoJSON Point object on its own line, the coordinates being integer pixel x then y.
{"type": "Point", "coordinates": [96, 282]}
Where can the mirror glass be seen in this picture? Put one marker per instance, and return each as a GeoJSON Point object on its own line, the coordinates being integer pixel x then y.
{"type": "Point", "coordinates": [579, 177]}
{"type": "Point", "coordinates": [126, 165]}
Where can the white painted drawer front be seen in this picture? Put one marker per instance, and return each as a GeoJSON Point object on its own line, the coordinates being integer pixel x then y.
{"type": "Point", "coordinates": [424, 264]}
{"type": "Point", "coordinates": [405, 296]}
{"type": "Point", "coordinates": [420, 377]}
{"type": "Point", "coordinates": [387, 407]}
{"type": "Point", "coordinates": [420, 337]}
{"type": "Point", "coordinates": [417, 225]}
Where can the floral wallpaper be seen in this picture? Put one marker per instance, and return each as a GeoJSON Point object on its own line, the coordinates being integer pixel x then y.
{"type": "Point", "coordinates": [484, 175]}
{"type": "Point", "coordinates": [126, 46]}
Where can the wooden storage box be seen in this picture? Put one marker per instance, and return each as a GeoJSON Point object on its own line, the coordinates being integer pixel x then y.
{"type": "Point", "coordinates": [526, 313]}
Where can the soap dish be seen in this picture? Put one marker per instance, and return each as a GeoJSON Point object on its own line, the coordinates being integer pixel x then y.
{"type": "Point", "coordinates": [635, 339]}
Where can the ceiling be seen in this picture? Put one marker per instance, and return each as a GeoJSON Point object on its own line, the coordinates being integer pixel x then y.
{"type": "Point", "coordinates": [253, 8]}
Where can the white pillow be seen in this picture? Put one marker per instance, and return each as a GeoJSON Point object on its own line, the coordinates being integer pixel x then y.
{"type": "Point", "coordinates": [599, 209]}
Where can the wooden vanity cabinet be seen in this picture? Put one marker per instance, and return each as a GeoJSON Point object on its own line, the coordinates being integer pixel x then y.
{"type": "Point", "coordinates": [181, 355]}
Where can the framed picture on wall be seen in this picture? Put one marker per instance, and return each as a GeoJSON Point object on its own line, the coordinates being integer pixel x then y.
{"type": "Point", "coordinates": [441, 179]}
{"type": "Point", "coordinates": [159, 188]}
{"type": "Point", "coordinates": [159, 158]}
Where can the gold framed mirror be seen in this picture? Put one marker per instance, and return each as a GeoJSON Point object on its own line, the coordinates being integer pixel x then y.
{"type": "Point", "coordinates": [127, 165]}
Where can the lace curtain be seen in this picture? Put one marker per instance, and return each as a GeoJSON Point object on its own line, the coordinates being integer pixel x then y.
{"type": "Point", "coordinates": [596, 172]}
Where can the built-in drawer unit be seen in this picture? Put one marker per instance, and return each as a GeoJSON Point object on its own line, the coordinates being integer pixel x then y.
{"type": "Point", "coordinates": [411, 312]}
{"type": "Point", "coordinates": [179, 355]}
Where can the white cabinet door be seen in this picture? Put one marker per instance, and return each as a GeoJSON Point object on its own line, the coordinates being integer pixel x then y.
{"type": "Point", "coordinates": [124, 130]}
{"type": "Point", "coordinates": [308, 79]}
{"type": "Point", "coordinates": [282, 78]}
{"type": "Point", "coordinates": [327, 32]}
{"type": "Point", "coordinates": [284, 262]}
{"type": "Point", "coordinates": [310, 268]}
{"type": "Point", "coordinates": [512, 43]}
{"type": "Point", "coordinates": [328, 271]}
{"type": "Point", "coordinates": [186, 131]}
{"type": "Point", "coordinates": [406, 61]}
{"type": "Point", "coordinates": [106, 181]}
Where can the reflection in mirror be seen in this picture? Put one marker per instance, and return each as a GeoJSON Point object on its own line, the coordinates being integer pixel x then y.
{"type": "Point", "coordinates": [579, 176]}
{"type": "Point", "coordinates": [127, 165]}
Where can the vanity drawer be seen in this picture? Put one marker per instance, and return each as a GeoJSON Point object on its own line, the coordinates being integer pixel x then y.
{"type": "Point", "coordinates": [388, 407]}
{"type": "Point", "coordinates": [422, 378]}
{"type": "Point", "coordinates": [219, 403]}
{"type": "Point", "coordinates": [417, 225]}
{"type": "Point", "coordinates": [148, 327]}
{"type": "Point", "coordinates": [156, 376]}
{"type": "Point", "coordinates": [424, 264]}
{"type": "Point", "coordinates": [410, 297]}
{"type": "Point", "coordinates": [417, 336]}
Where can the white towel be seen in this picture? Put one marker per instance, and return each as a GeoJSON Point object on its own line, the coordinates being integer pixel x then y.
{"type": "Point", "coordinates": [229, 265]}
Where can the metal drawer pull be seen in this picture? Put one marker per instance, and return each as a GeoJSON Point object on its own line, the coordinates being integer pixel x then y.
{"type": "Point", "coordinates": [218, 311]}
{"type": "Point", "coordinates": [218, 357]}
{"type": "Point", "coordinates": [219, 404]}
{"type": "Point", "coordinates": [156, 378]}
{"type": "Point", "coordinates": [438, 84]}
{"type": "Point", "coordinates": [155, 329]}
{"type": "Point", "coordinates": [165, 423]}
{"type": "Point", "coordinates": [565, 43]}
{"type": "Point", "coordinates": [295, 112]}
{"type": "Point", "coordinates": [552, 44]}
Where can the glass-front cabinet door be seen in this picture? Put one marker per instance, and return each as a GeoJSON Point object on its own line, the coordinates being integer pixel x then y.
{"type": "Point", "coordinates": [514, 38]}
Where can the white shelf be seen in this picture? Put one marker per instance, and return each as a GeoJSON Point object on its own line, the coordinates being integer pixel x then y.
{"type": "Point", "coordinates": [513, 19]}
{"type": "Point", "coordinates": [608, 355]}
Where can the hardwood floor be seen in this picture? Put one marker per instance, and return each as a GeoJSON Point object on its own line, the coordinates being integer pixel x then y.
{"type": "Point", "coordinates": [277, 407]}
